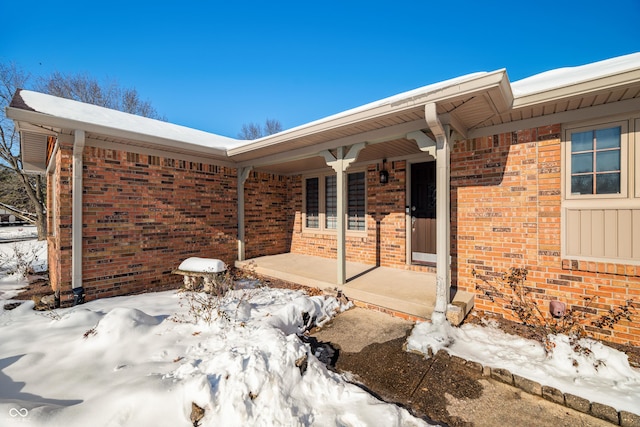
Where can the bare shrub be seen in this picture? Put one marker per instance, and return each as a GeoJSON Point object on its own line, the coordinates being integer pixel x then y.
{"type": "Point", "coordinates": [518, 298]}
{"type": "Point", "coordinates": [206, 297]}
{"type": "Point", "coordinates": [21, 261]}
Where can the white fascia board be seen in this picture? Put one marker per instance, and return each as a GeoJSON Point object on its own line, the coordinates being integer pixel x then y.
{"type": "Point", "coordinates": [599, 84]}
{"type": "Point", "coordinates": [34, 117]}
{"type": "Point", "coordinates": [476, 83]}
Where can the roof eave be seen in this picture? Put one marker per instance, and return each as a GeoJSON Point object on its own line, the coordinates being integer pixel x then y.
{"type": "Point", "coordinates": [20, 115]}
{"type": "Point", "coordinates": [599, 84]}
{"type": "Point", "coordinates": [496, 84]}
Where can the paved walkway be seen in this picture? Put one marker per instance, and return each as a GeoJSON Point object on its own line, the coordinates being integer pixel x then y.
{"type": "Point", "coordinates": [442, 390]}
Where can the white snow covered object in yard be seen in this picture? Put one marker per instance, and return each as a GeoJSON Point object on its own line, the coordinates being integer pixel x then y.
{"type": "Point", "coordinates": [202, 265]}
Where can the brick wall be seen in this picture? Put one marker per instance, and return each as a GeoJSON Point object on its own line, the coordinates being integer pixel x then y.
{"type": "Point", "coordinates": [59, 230]}
{"type": "Point", "coordinates": [143, 215]}
{"type": "Point", "coordinates": [506, 212]}
{"type": "Point", "coordinates": [269, 214]}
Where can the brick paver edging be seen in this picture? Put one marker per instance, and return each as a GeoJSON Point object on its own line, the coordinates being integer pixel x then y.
{"type": "Point", "coordinates": [604, 412]}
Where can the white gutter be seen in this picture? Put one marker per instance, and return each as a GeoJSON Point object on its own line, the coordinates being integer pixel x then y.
{"type": "Point", "coordinates": [76, 217]}
{"type": "Point", "coordinates": [43, 119]}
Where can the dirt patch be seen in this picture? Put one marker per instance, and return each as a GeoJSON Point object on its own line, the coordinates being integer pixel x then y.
{"type": "Point", "coordinates": [37, 287]}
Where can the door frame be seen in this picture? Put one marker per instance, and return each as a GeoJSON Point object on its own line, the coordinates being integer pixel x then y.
{"type": "Point", "coordinates": [408, 225]}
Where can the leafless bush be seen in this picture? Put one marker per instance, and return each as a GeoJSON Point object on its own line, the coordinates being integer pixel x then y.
{"type": "Point", "coordinates": [517, 297]}
{"type": "Point", "coordinates": [207, 299]}
{"type": "Point", "coordinates": [21, 261]}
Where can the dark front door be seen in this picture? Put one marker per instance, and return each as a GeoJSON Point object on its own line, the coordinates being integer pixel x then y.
{"type": "Point", "coordinates": [423, 212]}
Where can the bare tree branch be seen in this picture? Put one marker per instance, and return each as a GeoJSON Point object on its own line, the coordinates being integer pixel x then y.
{"type": "Point", "coordinates": [251, 131]}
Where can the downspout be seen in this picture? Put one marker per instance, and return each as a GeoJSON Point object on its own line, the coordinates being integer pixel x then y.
{"type": "Point", "coordinates": [443, 213]}
{"type": "Point", "coordinates": [76, 218]}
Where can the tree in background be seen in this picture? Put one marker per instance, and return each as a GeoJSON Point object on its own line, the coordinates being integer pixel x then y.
{"type": "Point", "coordinates": [251, 131]}
{"type": "Point", "coordinates": [29, 192]}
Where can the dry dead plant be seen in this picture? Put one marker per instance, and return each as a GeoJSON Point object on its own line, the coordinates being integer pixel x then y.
{"type": "Point", "coordinates": [516, 296]}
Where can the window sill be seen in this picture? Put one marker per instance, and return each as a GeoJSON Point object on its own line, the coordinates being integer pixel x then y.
{"type": "Point", "coordinates": [316, 232]}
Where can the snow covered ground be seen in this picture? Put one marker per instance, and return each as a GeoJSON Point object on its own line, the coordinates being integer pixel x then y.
{"type": "Point", "coordinates": [13, 254]}
{"type": "Point", "coordinates": [604, 376]}
{"type": "Point", "coordinates": [140, 360]}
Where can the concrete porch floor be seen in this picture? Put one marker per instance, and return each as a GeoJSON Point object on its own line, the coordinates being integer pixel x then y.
{"type": "Point", "coordinates": [409, 292]}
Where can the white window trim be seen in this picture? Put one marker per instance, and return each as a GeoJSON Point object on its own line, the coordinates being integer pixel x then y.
{"type": "Point", "coordinates": [625, 164]}
{"type": "Point", "coordinates": [322, 229]}
{"type": "Point", "coordinates": [629, 198]}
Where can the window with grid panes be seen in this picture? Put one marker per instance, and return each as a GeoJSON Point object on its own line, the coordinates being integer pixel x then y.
{"type": "Point", "coordinates": [312, 213]}
{"type": "Point", "coordinates": [331, 202]}
{"type": "Point", "coordinates": [356, 197]}
{"type": "Point", "coordinates": [595, 161]}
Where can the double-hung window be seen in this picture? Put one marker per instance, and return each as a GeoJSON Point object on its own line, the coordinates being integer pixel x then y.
{"type": "Point", "coordinates": [321, 202]}
{"type": "Point", "coordinates": [601, 204]}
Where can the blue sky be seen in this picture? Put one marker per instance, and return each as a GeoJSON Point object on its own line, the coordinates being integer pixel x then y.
{"type": "Point", "coordinates": [216, 65]}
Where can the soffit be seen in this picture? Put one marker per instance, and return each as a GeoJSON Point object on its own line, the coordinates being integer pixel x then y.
{"type": "Point", "coordinates": [400, 147]}
{"type": "Point", "coordinates": [563, 99]}
{"type": "Point", "coordinates": [33, 151]}
{"type": "Point", "coordinates": [336, 134]}
{"type": "Point", "coordinates": [467, 103]}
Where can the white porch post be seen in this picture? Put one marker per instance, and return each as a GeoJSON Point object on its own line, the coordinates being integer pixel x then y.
{"type": "Point", "coordinates": [339, 163]}
{"type": "Point", "coordinates": [443, 213]}
{"type": "Point", "coordinates": [243, 174]}
{"type": "Point", "coordinates": [440, 149]}
{"type": "Point", "coordinates": [76, 217]}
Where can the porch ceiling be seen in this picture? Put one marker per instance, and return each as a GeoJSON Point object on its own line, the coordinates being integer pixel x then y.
{"type": "Point", "coordinates": [396, 148]}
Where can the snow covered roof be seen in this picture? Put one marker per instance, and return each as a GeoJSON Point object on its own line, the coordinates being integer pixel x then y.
{"type": "Point", "coordinates": [83, 113]}
{"type": "Point", "coordinates": [477, 103]}
{"type": "Point", "coordinates": [571, 75]}
{"type": "Point", "coordinates": [592, 76]}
